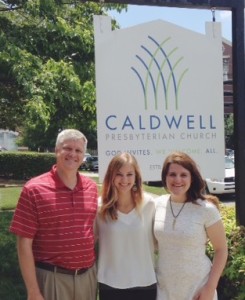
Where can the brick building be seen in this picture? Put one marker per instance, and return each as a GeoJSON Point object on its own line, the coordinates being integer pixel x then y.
{"type": "Point", "coordinates": [227, 76]}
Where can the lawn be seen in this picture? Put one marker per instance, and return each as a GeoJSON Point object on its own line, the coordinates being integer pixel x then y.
{"type": "Point", "coordinates": [149, 189]}
{"type": "Point", "coordinates": [9, 195]}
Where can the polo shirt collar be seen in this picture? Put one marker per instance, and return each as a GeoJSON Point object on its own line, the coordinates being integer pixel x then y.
{"type": "Point", "coordinates": [59, 183]}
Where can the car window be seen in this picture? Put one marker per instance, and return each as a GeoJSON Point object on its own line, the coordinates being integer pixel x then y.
{"type": "Point", "coordinates": [86, 155]}
{"type": "Point", "coordinates": [229, 164]}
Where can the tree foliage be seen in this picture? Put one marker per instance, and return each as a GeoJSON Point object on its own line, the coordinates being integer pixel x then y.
{"type": "Point", "coordinates": [47, 79]}
{"type": "Point", "coordinates": [229, 131]}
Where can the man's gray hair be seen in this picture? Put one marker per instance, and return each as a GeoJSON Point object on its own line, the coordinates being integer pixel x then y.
{"type": "Point", "coordinates": [70, 134]}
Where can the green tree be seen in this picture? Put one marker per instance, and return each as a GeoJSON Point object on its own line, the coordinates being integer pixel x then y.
{"type": "Point", "coordinates": [229, 131]}
{"type": "Point", "coordinates": [47, 78]}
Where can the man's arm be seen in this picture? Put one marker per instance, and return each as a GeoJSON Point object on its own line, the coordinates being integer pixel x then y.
{"type": "Point", "coordinates": [27, 266]}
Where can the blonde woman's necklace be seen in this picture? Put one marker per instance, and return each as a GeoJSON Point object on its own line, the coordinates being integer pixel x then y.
{"type": "Point", "coordinates": [175, 216]}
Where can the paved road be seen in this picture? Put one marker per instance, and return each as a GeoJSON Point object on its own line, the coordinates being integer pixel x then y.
{"type": "Point", "coordinates": [227, 199]}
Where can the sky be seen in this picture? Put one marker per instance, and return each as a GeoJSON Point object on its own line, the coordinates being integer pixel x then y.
{"type": "Point", "coordinates": [193, 19]}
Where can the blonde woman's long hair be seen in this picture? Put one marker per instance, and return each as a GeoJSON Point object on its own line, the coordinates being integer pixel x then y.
{"type": "Point", "coordinates": [109, 195]}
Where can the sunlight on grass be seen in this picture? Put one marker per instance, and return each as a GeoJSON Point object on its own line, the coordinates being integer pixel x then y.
{"type": "Point", "coordinates": [154, 190]}
{"type": "Point", "coordinates": [9, 197]}
{"type": "Point", "coordinates": [149, 189]}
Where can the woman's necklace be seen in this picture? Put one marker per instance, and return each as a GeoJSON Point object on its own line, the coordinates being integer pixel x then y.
{"type": "Point", "coordinates": [172, 211]}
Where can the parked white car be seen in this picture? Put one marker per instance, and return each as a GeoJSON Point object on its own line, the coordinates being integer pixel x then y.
{"type": "Point", "coordinates": [225, 185]}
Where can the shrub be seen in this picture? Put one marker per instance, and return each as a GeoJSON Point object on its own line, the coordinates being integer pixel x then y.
{"type": "Point", "coordinates": [11, 283]}
{"type": "Point", "coordinates": [232, 282]}
{"type": "Point", "coordinates": [24, 165]}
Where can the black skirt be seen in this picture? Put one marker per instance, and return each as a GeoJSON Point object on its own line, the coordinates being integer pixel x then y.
{"type": "Point", "coordinates": [142, 293]}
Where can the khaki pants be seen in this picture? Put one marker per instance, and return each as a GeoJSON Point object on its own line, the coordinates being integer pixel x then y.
{"type": "Point", "coordinates": [57, 286]}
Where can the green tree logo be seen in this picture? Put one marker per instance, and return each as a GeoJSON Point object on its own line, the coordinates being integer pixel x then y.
{"type": "Point", "coordinates": [165, 78]}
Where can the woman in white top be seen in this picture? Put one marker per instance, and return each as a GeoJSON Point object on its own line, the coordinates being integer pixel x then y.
{"type": "Point", "coordinates": [185, 221]}
{"type": "Point", "coordinates": [125, 231]}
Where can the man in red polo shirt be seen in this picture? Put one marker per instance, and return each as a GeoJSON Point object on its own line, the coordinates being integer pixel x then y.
{"type": "Point", "coordinates": [54, 222]}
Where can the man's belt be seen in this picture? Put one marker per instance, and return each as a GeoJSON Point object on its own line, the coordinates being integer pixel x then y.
{"type": "Point", "coordinates": [53, 268]}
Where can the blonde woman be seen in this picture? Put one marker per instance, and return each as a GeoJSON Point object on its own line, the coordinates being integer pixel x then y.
{"type": "Point", "coordinates": [125, 230]}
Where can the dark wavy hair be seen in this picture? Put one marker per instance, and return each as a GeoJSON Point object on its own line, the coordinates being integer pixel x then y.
{"type": "Point", "coordinates": [197, 187]}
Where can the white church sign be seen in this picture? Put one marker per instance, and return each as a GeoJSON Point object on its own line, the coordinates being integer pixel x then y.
{"type": "Point", "coordinates": [159, 89]}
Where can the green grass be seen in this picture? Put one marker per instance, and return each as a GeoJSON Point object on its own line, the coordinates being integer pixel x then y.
{"type": "Point", "coordinates": [9, 197]}
{"type": "Point", "coordinates": [149, 189]}
{"type": "Point", "coordinates": [154, 190]}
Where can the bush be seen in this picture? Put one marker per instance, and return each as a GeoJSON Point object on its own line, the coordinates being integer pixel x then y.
{"type": "Point", "coordinates": [24, 165]}
{"type": "Point", "coordinates": [11, 283]}
{"type": "Point", "coordinates": [232, 282]}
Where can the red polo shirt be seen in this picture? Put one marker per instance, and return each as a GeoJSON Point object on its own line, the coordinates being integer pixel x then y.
{"type": "Point", "coordinates": [59, 220]}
